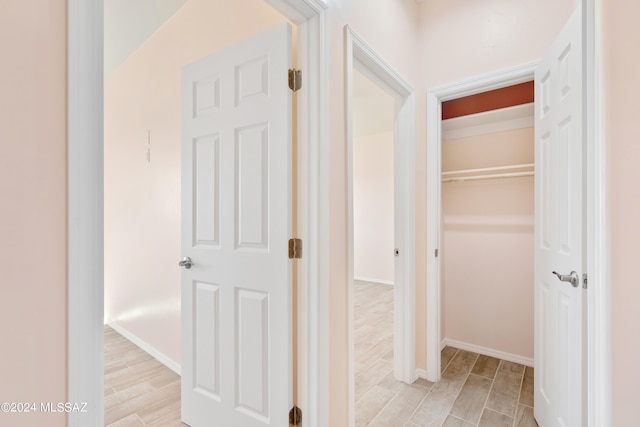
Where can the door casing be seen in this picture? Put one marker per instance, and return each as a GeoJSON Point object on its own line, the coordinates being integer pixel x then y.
{"type": "Point", "coordinates": [598, 307]}
{"type": "Point", "coordinates": [85, 301]}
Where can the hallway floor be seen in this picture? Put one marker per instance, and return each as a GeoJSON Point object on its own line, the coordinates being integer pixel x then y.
{"type": "Point", "coordinates": [138, 390]}
{"type": "Point", "coordinates": [475, 390]}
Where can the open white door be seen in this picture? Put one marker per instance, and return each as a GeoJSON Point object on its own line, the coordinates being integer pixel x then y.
{"type": "Point", "coordinates": [236, 222]}
{"type": "Point", "coordinates": [560, 141]}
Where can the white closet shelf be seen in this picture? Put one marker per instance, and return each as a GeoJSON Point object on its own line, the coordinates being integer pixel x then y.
{"type": "Point", "coordinates": [481, 173]}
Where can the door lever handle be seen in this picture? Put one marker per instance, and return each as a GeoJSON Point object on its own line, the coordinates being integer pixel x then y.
{"type": "Point", "coordinates": [571, 278]}
{"type": "Point", "coordinates": [186, 263]}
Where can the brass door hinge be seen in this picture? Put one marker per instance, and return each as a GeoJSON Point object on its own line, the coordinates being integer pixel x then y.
{"type": "Point", "coordinates": [295, 79]}
{"type": "Point", "coordinates": [295, 248]}
{"type": "Point", "coordinates": [295, 416]}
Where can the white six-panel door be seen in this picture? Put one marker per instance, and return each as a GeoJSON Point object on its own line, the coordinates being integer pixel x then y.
{"type": "Point", "coordinates": [559, 230]}
{"type": "Point", "coordinates": [236, 222]}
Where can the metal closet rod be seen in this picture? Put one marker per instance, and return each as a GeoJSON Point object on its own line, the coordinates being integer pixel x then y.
{"type": "Point", "coordinates": [446, 176]}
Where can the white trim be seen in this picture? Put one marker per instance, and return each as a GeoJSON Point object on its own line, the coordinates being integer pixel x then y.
{"type": "Point", "coordinates": [85, 359]}
{"type": "Point", "coordinates": [144, 346]}
{"type": "Point", "coordinates": [372, 280]}
{"type": "Point", "coordinates": [362, 57]}
{"type": "Point", "coordinates": [435, 97]}
{"type": "Point", "coordinates": [421, 373]}
{"type": "Point", "coordinates": [599, 362]}
{"type": "Point", "coordinates": [86, 205]}
{"type": "Point", "coordinates": [527, 361]}
{"type": "Point", "coordinates": [488, 122]}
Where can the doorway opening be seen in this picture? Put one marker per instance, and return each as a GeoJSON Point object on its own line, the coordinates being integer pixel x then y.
{"type": "Point", "coordinates": [86, 207]}
{"type": "Point", "coordinates": [487, 229]}
{"type": "Point", "coordinates": [373, 235]}
{"type": "Point", "coordinates": [436, 221]}
{"type": "Point", "coordinates": [143, 146]}
{"type": "Point", "coordinates": [361, 59]}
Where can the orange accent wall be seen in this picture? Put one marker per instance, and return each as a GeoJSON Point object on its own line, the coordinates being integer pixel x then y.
{"type": "Point", "coordinates": [487, 101]}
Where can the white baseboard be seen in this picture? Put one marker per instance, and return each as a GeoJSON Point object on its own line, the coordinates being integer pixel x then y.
{"type": "Point", "coordinates": [160, 357]}
{"type": "Point", "coordinates": [422, 373]}
{"type": "Point", "coordinates": [489, 352]}
{"type": "Point", "coordinates": [369, 279]}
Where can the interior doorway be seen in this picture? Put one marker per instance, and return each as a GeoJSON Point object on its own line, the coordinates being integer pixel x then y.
{"type": "Point", "coordinates": [86, 248]}
{"type": "Point", "coordinates": [487, 229]}
{"type": "Point", "coordinates": [434, 197]}
{"type": "Point", "coordinates": [364, 60]}
{"type": "Point", "coordinates": [144, 133]}
{"type": "Point", "coordinates": [373, 236]}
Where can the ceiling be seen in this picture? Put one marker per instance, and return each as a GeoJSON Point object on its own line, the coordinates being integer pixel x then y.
{"type": "Point", "coordinates": [128, 23]}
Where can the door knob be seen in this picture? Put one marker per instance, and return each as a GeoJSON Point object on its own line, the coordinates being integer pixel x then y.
{"type": "Point", "coordinates": [186, 263]}
{"type": "Point", "coordinates": [571, 278]}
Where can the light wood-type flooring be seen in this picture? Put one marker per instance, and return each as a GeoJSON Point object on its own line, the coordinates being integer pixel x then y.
{"type": "Point", "coordinates": [138, 390]}
{"type": "Point", "coordinates": [475, 390]}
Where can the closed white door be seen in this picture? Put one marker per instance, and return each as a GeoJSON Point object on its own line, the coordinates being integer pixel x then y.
{"type": "Point", "coordinates": [560, 139]}
{"type": "Point", "coordinates": [236, 222]}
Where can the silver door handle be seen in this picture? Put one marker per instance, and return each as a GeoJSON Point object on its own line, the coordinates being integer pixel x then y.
{"type": "Point", "coordinates": [186, 263]}
{"type": "Point", "coordinates": [571, 278]}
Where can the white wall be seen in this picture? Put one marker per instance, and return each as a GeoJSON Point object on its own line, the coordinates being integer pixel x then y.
{"type": "Point", "coordinates": [142, 200]}
{"type": "Point", "coordinates": [373, 205]}
{"type": "Point", "coordinates": [488, 245]}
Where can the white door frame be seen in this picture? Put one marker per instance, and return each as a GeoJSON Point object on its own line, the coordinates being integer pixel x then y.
{"type": "Point", "coordinates": [598, 333]}
{"type": "Point", "coordinates": [362, 57]}
{"type": "Point", "coordinates": [85, 303]}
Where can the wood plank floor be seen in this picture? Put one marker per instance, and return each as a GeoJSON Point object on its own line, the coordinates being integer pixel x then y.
{"type": "Point", "coordinates": [475, 390]}
{"type": "Point", "coordinates": [138, 390]}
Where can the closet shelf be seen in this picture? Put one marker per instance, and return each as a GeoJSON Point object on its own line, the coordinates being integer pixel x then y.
{"type": "Point", "coordinates": [501, 172]}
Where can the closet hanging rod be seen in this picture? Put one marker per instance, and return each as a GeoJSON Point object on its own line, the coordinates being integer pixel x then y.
{"type": "Point", "coordinates": [492, 169]}
{"type": "Point", "coordinates": [488, 176]}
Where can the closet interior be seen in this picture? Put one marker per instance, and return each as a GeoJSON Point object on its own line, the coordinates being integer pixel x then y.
{"type": "Point", "coordinates": [487, 233]}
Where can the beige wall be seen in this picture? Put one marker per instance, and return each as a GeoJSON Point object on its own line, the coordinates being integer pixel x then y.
{"type": "Point", "coordinates": [33, 212]}
{"type": "Point", "coordinates": [621, 64]}
{"type": "Point", "coordinates": [373, 227]}
{"type": "Point", "coordinates": [487, 251]}
{"type": "Point", "coordinates": [142, 199]}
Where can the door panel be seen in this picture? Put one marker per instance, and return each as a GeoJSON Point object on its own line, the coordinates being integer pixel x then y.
{"type": "Point", "coordinates": [559, 230]}
{"type": "Point", "coordinates": [236, 222]}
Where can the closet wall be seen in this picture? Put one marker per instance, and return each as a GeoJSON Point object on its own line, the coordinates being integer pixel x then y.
{"type": "Point", "coordinates": [487, 282]}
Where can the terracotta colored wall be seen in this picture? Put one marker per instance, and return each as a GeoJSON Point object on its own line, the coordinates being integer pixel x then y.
{"type": "Point", "coordinates": [487, 252]}
{"type": "Point", "coordinates": [621, 66]}
{"type": "Point", "coordinates": [33, 211]}
{"type": "Point", "coordinates": [142, 199]}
